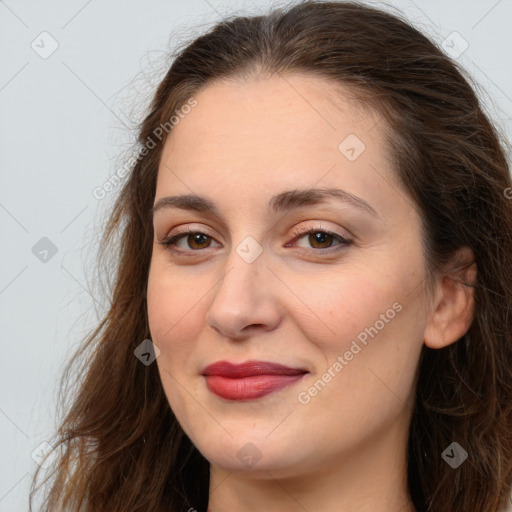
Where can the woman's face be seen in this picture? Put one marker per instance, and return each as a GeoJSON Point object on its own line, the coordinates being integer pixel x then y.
{"type": "Point", "coordinates": [347, 318]}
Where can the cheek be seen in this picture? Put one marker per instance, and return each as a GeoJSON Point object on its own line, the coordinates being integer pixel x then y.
{"type": "Point", "coordinates": [175, 307]}
{"type": "Point", "coordinates": [174, 310]}
{"type": "Point", "coordinates": [334, 310]}
{"type": "Point", "coordinates": [372, 321]}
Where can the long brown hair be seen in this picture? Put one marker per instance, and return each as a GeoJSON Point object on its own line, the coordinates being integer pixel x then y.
{"type": "Point", "coordinates": [119, 446]}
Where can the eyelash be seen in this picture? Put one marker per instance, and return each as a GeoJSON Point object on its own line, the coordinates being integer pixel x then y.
{"type": "Point", "coordinates": [298, 233]}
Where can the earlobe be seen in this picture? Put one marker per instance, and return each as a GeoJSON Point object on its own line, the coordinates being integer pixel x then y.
{"type": "Point", "coordinates": [453, 311]}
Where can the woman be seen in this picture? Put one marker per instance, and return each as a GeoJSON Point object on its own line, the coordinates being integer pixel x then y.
{"type": "Point", "coordinates": [313, 283]}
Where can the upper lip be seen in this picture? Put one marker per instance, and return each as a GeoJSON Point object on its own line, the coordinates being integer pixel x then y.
{"type": "Point", "coordinates": [248, 369]}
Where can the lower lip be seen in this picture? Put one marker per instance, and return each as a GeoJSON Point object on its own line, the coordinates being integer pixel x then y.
{"type": "Point", "coordinates": [249, 388]}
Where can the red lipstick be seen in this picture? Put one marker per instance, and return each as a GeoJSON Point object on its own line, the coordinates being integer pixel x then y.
{"type": "Point", "coordinates": [250, 380]}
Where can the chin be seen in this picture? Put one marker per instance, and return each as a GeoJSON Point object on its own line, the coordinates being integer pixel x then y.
{"type": "Point", "coordinates": [252, 454]}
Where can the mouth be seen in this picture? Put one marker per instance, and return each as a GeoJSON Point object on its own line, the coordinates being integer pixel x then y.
{"type": "Point", "coordinates": [250, 380]}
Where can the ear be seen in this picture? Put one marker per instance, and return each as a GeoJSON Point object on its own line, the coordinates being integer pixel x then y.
{"type": "Point", "coordinates": [454, 305]}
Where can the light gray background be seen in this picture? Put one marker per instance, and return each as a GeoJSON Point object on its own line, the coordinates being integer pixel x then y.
{"type": "Point", "coordinates": [64, 125]}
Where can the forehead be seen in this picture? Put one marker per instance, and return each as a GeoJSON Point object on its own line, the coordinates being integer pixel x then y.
{"type": "Point", "coordinates": [287, 131]}
{"type": "Point", "coordinates": [265, 111]}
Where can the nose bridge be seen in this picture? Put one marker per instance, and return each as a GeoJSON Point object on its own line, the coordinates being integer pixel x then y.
{"type": "Point", "coordinates": [241, 298]}
{"type": "Point", "coordinates": [238, 289]}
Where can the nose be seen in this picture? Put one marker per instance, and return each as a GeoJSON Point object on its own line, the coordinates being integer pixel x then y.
{"type": "Point", "coordinates": [245, 299]}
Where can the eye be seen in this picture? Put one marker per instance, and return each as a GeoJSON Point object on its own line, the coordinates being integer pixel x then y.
{"type": "Point", "coordinates": [319, 238]}
{"type": "Point", "coordinates": [194, 240]}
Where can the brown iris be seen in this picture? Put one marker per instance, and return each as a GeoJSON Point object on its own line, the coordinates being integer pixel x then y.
{"type": "Point", "coordinates": [197, 237]}
{"type": "Point", "coordinates": [320, 237]}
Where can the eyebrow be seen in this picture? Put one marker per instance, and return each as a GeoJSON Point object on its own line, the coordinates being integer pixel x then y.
{"type": "Point", "coordinates": [284, 201]}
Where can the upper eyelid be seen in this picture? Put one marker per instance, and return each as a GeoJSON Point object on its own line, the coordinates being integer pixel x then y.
{"type": "Point", "coordinates": [304, 230]}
